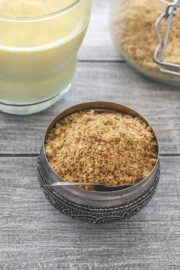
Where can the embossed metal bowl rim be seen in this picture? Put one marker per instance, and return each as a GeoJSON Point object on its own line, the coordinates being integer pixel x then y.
{"type": "Point", "coordinates": [99, 195]}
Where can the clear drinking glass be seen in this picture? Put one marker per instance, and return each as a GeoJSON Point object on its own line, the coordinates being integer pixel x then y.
{"type": "Point", "coordinates": [38, 57]}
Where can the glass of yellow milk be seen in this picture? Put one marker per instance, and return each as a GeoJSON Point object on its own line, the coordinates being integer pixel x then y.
{"type": "Point", "coordinates": [39, 41]}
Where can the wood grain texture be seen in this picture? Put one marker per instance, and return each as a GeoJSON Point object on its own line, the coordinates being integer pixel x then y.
{"type": "Point", "coordinates": [101, 81]}
{"type": "Point", "coordinates": [98, 44]}
{"type": "Point", "coordinates": [33, 235]}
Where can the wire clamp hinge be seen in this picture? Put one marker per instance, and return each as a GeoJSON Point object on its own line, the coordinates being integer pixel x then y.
{"type": "Point", "coordinates": [159, 53]}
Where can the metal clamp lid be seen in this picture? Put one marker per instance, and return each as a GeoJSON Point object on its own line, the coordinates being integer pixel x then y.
{"type": "Point", "coordinates": [162, 42]}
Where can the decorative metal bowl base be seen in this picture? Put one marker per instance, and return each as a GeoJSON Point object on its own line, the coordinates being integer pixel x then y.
{"type": "Point", "coordinates": [97, 215]}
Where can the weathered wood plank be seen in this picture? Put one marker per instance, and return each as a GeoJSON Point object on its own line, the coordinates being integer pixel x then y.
{"type": "Point", "coordinates": [97, 44]}
{"type": "Point", "coordinates": [34, 236]}
{"type": "Point", "coordinates": [101, 81]}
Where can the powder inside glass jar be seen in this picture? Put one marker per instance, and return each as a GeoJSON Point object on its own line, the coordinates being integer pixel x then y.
{"type": "Point", "coordinates": [133, 28]}
{"type": "Point", "coordinates": [107, 148]}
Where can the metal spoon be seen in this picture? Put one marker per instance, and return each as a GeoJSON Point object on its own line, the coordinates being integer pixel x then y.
{"type": "Point", "coordinates": [98, 187]}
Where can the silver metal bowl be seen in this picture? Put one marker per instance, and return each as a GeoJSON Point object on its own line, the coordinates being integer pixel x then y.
{"type": "Point", "coordinates": [95, 206]}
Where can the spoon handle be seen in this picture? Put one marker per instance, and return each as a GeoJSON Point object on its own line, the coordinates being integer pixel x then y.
{"type": "Point", "coordinates": [99, 187]}
{"type": "Point", "coordinates": [72, 184]}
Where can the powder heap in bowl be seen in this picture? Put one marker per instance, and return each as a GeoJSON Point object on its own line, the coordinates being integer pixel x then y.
{"type": "Point", "coordinates": [108, 148]}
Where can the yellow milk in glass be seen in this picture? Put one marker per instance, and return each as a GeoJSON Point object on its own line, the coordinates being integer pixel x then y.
{"type": "Point", "coordinates": [38, 46]}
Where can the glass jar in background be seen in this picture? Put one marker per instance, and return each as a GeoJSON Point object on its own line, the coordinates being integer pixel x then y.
{"type": "Point", "coordinates": [38, 53]}
{"type": "Point", "coordinates": [146, 32]}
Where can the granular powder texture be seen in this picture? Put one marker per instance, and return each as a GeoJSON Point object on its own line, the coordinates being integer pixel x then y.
{"type": "Point", "coordinates": [133, 28]}
{"type": "Point", "coordinates": [108, 148]}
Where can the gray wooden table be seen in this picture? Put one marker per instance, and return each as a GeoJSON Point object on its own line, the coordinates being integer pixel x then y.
{"type": "Point", "coordinates": [33, 235]}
